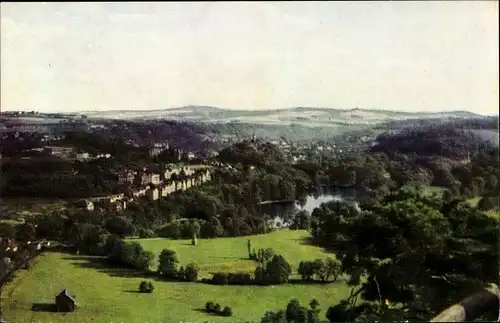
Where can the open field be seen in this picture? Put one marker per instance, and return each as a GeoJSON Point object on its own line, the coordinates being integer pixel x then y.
{"type": "Point", "coordinates": [475, 200]}
{"type": "Point", "coordinates": [199, 166]}
{"type": "Point", "coordinates": [231, 254]}
{"type": "Point", "coordinates": [430, 190]}
{"type": "Point", "coordinates": [106, 294]}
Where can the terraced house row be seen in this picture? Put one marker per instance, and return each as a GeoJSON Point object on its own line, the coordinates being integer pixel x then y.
{"type": "Point", "coordinates": [149, 185]}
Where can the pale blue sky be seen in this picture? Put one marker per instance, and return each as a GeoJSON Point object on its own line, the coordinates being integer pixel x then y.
{"type": "Point", "coordinates": [414, 56]}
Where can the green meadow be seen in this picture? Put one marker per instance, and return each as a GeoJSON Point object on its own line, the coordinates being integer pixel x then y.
{"type": "Point", "coordinates": [231, 254]}
{"type": "Point", "coordinates": [106, 294]}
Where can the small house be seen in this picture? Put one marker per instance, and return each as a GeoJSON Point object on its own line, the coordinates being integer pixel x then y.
{"type": "Point", "coordinates": [126, 177]}
{"type": "Point", "coordinates": [143, 179]}
{"type": "Point", "coordinates": [65, 302]}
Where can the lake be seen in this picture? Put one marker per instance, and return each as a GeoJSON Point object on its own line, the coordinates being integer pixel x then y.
{"type": "Point", "coordinates": [282, 213]}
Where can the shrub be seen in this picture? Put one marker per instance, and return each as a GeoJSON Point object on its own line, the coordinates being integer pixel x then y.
{"type": "Point", "coordinates": [239, 279]}
{"type": "Point", "coordinates": [217, 308]}
{"type": "Point", "coordinates": [191, 272]}
{"type": "Point", "coordinates": [210, 307]}
{"type": "Point", "coordinates": [146, 287]}
{"type": "Point", "coordinates": [220, 279]}
{"type": "Point", "coordinates": [146, 233]}
{"type": "Point", "coordinates": [486, 203]}
{"type": "Point", "coordinates": [181, 273]}
{"type": "Point", "coordinates": [227, 311]}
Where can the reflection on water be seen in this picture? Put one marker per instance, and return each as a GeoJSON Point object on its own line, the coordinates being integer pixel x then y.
{"type": "Point", "coordinates": [283, 213]}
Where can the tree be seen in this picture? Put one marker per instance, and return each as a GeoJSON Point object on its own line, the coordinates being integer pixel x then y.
{"type": "Point", "coordinates": [447, 195]}
{"type": "Point", "coordinates": [339, 312]}
{"type": "Point", "coordinates": [145, 260]}
{"type": "Point", "coordinates": [181, 273]}
{"type": "Point", "coordinates": [50, 227]}
{"type": "Point", "coordinates": [227, 311]}
{"type": "Point", "coordinates": [170, 230]}
{"type": "Point", "coordinates": [332, 268]}
{"type": "Point", "coordinates": [212, 229]}
{"type": "Point", "coordinates": [7, 230]}
{"type": "Point", "coordinates": [259, 275]}
{"type": "Point", "coordinates": [146, 233]}
{"type": "Point", "coordinates": [302, 221]}
{"type": "Point", "coordinates": [220, 279]}
{"type": "Point", "coordinates": [134, 255]}
{"type": "Point", "coordinates": [249, 247]}
{"type": "Point", "coordinates": [320, 270]}
{"type": "Point", "coordinates": [267, 254]}
{"type": "Point", "coordinates": [314, 304]}
{"type": "Point", "coordinates": [412, 251]}
{"type": "Point", "coordinates": [295, 312]}
{"type": "Point", "coordinates": [168, 263]}
{"type": "Point", "coordinates": [278, 270]}
{"type": "Point", "coordinates": [306, 270]}
{"type": "Point", "coordinates": [195, 231]}
{"type": "Point", "coordinates": [487, 203]}
{"type": "Point", "coordinates": [272, 317]}
{"type": "Point", "coordinates": [217, 308]}
{"type": "Point", "coordinates": [192, 272]}
{"type": "Point", "coordinates": [313, 313]}
{"type": "Point", "coordinates": [119, 225]}
{"type": "Point", "coordinates": [491, 183]}
{"type": "Point", "coordinates": [210, 307]}
{"type": "Point", "coordinates": [26, 232]}
{"type": "Point", "coordinates": [292, 310]}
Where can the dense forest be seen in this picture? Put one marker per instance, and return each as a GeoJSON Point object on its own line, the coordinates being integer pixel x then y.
{"type": "Point", "coordinates": [445, 141]}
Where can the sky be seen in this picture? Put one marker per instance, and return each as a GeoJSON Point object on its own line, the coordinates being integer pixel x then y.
{"type": "Point", "coordinates": [408, 56]}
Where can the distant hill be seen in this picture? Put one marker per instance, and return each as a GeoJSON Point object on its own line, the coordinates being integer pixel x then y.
{"type": "Point", "coordinates": [304, 116]}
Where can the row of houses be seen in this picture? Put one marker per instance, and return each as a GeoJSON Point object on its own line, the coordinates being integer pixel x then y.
{"type": "Point", "coordinates": [145, 177]}
{"type": "Point", "coordinates": [151, 187]}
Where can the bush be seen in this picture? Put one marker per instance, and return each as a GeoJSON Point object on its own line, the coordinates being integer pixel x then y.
{"type": "Point", "coordinates": [227, 311]}
{"type": "Point", "coordinates": [239, 279]}
{"type": "Point", "coordinates": [146, 287]}
{"type": "Point", "coordinates": [181, 274]}
{"type": "Point", "coordinates": [220, 279]}
{"type": "Point", "coordinates": [146, 233]}
{"type": "Point", "coordinates": [171, 230]}
{"type": "Point", "coordinates": [210, 307]}
{"type": "Point", "coordinates": [191, 272]}
{"type": "Point", "coordinates": [487, 203]}
{"type": "Point", "coordinates": [217, 308]}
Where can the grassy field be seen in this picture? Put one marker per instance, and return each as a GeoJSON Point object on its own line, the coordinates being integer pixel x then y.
{"type": "Point", "coordinates": [475, 200]}
{"type": "Point", "coordinates": [431, 190]}
{"type": "Point", "coordinates": [109, 295]}
{"type": "Point", "coordinates": [199, 166]}
{"type": "Point", "coordinates": [231, 254]}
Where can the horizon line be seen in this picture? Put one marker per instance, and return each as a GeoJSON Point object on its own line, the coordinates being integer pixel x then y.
{"type": "Point", "coordinates": [243, 109]}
